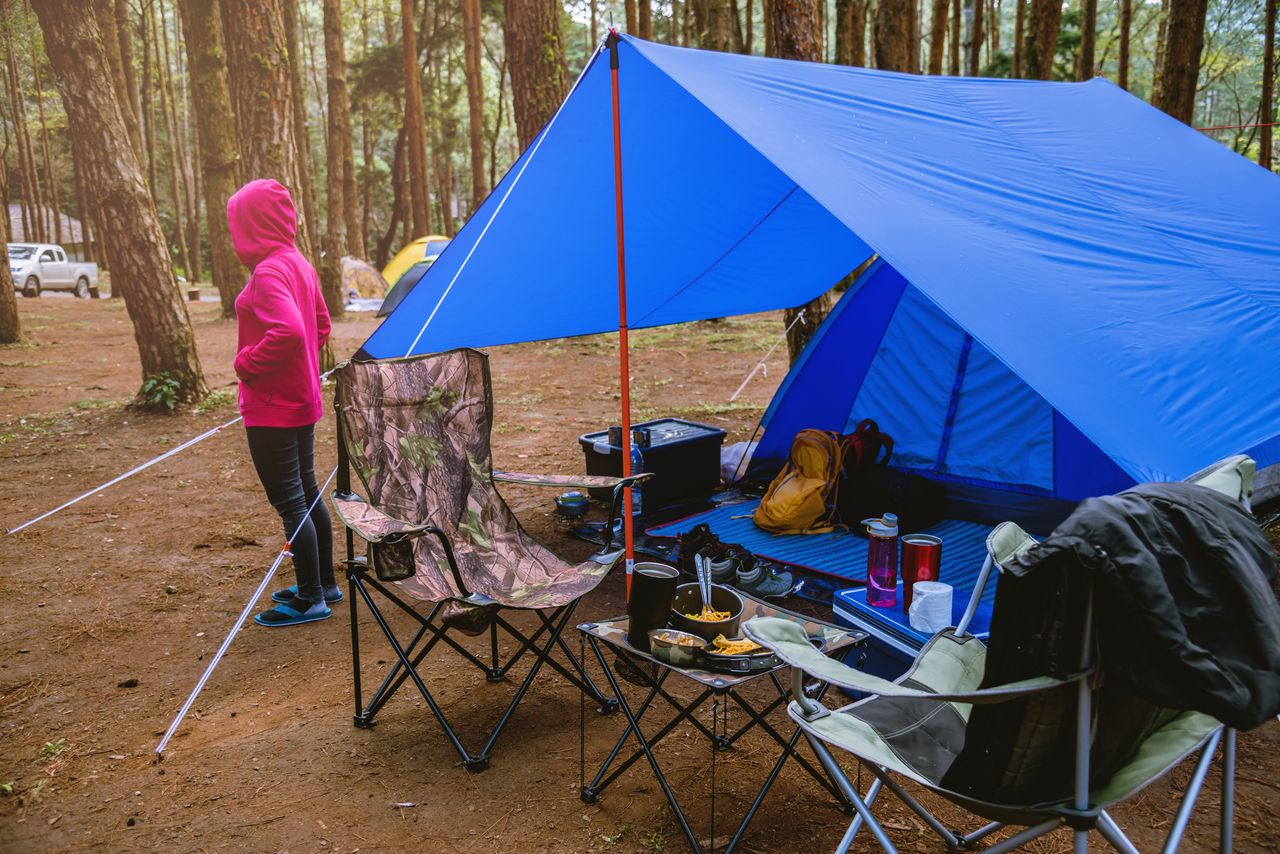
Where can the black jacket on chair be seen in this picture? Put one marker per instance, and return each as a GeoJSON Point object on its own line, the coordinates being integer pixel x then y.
{"type": "Point", "coordinates": [1186, 616]}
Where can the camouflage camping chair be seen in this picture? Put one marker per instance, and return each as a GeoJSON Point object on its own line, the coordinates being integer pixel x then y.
{"type": "Point", "coordinates": [1041, 753]}
{"type": "Point", "coordinates": [416, 431]}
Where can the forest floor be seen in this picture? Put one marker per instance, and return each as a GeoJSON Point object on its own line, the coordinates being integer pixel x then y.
{"type": "Point", "coordinates": [109, 612]}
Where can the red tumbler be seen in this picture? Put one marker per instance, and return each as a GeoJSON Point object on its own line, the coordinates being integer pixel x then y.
{"type": "Point", "coordinates": [921, 561]}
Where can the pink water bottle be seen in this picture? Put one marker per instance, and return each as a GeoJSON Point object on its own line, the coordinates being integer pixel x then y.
{"type": "Point", "coordinates": [882, 561]}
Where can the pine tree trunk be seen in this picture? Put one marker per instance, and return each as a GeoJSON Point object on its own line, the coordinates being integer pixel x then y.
{"type": "Point", "coordinates": [893, 34]}
{"type": "Point", "coordinates": [50, 178]}
{"type": "Point", "coordinates": [134, 242]}
{"type": "Point", "coordinates": [148, 113]}
{"type": "Point", "coordinates": [338, 159]}
{"type": "Point", "coordinates": [1180, 68]}
{"type": "Point", "coordinates": [793, 30]}
{"type": "Point", "coordinates": [475, 97]}
{"type": "Point", "coordinates": [1267, 101]}
{"type": "Point", "coordinates": [1126, 26]}
{"type": "Point", "coordinates": [1042, 40]}
{"type": "Point", "coordinates": [190, 247]}
{"type": "Point", "coordinates": [360, 239]}
{"type": "Point", "coordinates": [1020, 17]}
{"type": "Point", "coordinates": [714, 20]}
{"type": "Point", "coordinates": [1085, 62]}
{"type": "Point", "coordinates": [645, 19]}
{"type": "Point", "coordinates": [10, 323]}
{"type": "Point", "coordinates": [937, 36]}
{"type": "Point", "coordinates": [310, 219]}
{"type": "Point", "coordinates": [629, 13]}
{"type": "Point", "coordinates": [170, 132]}
{"type": "Point", "coordinates": [538, 75]}
{"type": "Point", "coordinates": [131, 106]}
{"type": "Point", "coordinates": [32, 220]}
{"type": "Point", "coordinates": [851, 32]}
{"type": "Point", "coordinates": [748, 38]}
{"type": "Point", "coordinates": [415, 125]}
{"type": "Point", "coordinates": [973, 53]}
{"type": "Point", "coordinates": [953, 46]}
{"type": "Point", "coordinates": [202, 23]}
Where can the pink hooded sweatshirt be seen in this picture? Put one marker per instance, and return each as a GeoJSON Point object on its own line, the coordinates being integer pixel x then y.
{"type": "Point", "coordinates": [282, 319]}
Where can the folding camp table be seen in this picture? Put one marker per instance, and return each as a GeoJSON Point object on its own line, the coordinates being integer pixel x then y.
{"type": "Point", "coordinates": [719, 688]}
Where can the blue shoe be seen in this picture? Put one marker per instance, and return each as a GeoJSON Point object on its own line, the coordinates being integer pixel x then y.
{"type": "Point", "coordinates": [332, 595]}
{"type": "Point", "coordinates": [288, 615]}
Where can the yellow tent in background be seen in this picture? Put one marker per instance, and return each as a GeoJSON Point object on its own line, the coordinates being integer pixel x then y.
{"type": "Point", "coordinates": [424, 248]}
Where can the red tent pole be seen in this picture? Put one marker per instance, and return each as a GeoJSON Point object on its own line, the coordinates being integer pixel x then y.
{"type": "Point", "coordinates": [624, 364]}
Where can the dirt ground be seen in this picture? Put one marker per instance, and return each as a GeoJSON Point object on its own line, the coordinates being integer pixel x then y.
{"type": "Point", "coordinates": [110, 611]}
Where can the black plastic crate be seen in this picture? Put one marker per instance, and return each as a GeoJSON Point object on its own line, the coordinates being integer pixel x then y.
{"type": "Point", "coordinates": [684, 457]}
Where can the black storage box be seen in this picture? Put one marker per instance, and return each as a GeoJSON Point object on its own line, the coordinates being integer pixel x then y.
{"type": "Point", "coordinates": [684, 457]}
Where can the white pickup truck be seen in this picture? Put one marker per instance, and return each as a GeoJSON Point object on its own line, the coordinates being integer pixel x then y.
{"type": "Point", "coordinates": [40, 267]}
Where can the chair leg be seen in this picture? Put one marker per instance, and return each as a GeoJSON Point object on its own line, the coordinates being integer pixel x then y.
{"type": "Point", "coordinates": [1112, 833]}
{"type": "Point", "coordinates": [1189, 796]}
{"type": "Point", "coordinates": [1228, 789]}
{"type": "Point", "coordinates": [969, 839]}
{"type": "Point", "coordinates": [359, 718]}
{"type": "Point", "coordinates": [842, 780]}
{"type": "Point", "coordinates": [1020, 839]}
{"type": "Point", "coordinates": [950, 839]}
{"type": "Point", "coordinates": [856, 824]}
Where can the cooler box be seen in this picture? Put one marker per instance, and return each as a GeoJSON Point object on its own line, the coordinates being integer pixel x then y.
{"type": "Point", "coordinates": [893, 644]}
{"type": "Point", "coordinates": [683, 455]}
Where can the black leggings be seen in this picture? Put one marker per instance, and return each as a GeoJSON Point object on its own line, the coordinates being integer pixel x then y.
{"type": "Point", "coordinates": [284, 458]}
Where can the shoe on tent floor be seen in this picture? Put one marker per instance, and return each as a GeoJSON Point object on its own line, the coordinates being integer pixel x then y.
{"type": "Point", "coordinates": [421, 249]}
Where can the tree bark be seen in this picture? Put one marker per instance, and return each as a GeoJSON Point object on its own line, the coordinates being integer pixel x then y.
{"type": "Point", "coordinates": [1042, 40]}
{"type": "Point", "coordinates": [32, 219]}
{"type": "Point", "coordinates": [851, 32]}
{"type": "Point", "coordinates": [1180, 68]}
{"type": "Point", "coordinates": [748, 36]}
{"type": "Point", "coordinates": [211, 91]}
{"type": "Point", "coordinates": [132, 236]}
{"type": "Point", "coordinates": [169, 120]}
{"type": "Point", "coordinates": [10, 323]}
{"type": "Point", "coordinates": [538, 75]}
{"type": "Point", "coordinates": [1126, 26]}
{"type": "Point", "coordinates": [1085, 62]}
{"type": "Point", "coordinates": [50, 178]}
{"type": "Point", "coordinates": [645, 19]}
{"type": "Point", "coordinates": [148, 112]}
{"type": "Point", "coordinates": [714, 20]}
{"type": "Point", "coordinates": [894, 34]}
{"type": "Point", "coordinates": [793, 30]}
{"type": "Point", "coordinates": [973, 50]}
{"type": "Point", "coordinates": [475, 97]}
{"type": "Point", "coordinates": [414, 124]}
{"type": "Point", "coordinates": [1020, 17]}
{"type": "Point", "coordinates": [310, 219]}
{"type": "Point", "coordinates": [131, 104]}
{"type": "Point", "coordinates": [937, 35]}
{"type": "Point", "coordinates": [1267, 101]}
{"type": "Point", "coordinates": [953, 46]}
{"type": "Point", "coordinates": [339, 160]}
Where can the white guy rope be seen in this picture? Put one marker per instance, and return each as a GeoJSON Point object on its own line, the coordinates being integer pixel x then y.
{"type": "Point", "coordinates": [760, 365]}
{"type": "Point", "coordinates": [143, 467]}
{"type": "Point", "coordinates": [506, 195]}
{"type": "Point", "coordinates": [130, 473]}
{"type": "Point", "coordinates": [244, 615]}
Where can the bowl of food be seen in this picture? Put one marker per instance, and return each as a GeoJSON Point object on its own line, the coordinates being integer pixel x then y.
{"type": "Point", "coordinates": [721, 618]}
{"type": "Point", "coordinates": [738, 655]}
{"type": "Point", "coordinates": [677, 648]}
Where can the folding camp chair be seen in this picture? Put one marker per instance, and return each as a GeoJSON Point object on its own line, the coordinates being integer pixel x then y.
{"type": "Point", "coordinates": [918, 726]}
{"type": "Point", "coordinates": [416, 431]}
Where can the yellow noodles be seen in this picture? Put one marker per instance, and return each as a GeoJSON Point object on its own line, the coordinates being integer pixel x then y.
{"type": "Point", "coordinates": [739, 646]}
{"type": "Point", "coordinates": [709, 616]}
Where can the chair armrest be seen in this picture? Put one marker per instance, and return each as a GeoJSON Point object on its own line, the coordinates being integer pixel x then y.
{"type": "Point", "coordinates": [370, 523]}
{"type": "Point", "coordinates": [789, 642]}
{"type": "Point", "coordinates": [584, 481]}
{"type": "Point", "coordinates": [1233, 477]}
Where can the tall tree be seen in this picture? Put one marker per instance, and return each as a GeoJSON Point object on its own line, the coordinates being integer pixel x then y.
{"type": "Point", "coordinates": [301, 139]}
{"type": "Point", "coordinates": [169, 121]}
{"type": "Point", "coordinates": [1085, 63]}
{"type": "Point", "coordinates": [475, 96]}
{"type": "Point", "coordinates": [1180, 68]}
{"type": "Point", "coordinates": [714, 19]}
{"type": "Point", "coordinates": [973, 49]}
{"type": "Point", "coordinates": [1267, 101]}
{"type": "Point", "coordinates": [953, 44]}
{"type": "Point", "coordinates": [536, 53]}
{"type": "Point", "coordinates": [629, 12]}
{"type": "Point", "coordinates": [29, 184]}
{"type": "Point", "coordinates": [792, 26]}
{"type": "Point", "coordinates": [937, 35]}
{"type": "Point", "coordinates": [10, 323]}
{"type": "Point", "coordinates": [50, 191]}
{"type": "Point", "coordinates": [1042, 39]}
{"type": "Point", "coordinates": [130, 105]}
{"type": "Point", "coordinates": [851, 32]}
{"type": "Point", "coordinates": [645, 19]}
{"type": "Point", "coordinates": [261, 85]}
{"type": "Point", "coordinates": [134, 242]}
{"type": "Point", "coordinates": [894, 34]}
{"type": "Point", "coordinates": [340, 161]}
{"type": "Point", "coordinates": [1019, 23]}
{"type": "Point", "coordinates": [219, 166]}
{"type": "Point", "coordinates": [1126, 27]}
{"type": "Point", "coordinates": [414, 124]}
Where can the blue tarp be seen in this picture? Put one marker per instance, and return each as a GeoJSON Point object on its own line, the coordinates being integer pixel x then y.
{"type": "Point", "coordinates": [1111, 275]}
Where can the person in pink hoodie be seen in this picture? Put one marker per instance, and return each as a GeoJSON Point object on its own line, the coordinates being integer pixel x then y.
{"type": "Point", "coordinates": [282, 323]}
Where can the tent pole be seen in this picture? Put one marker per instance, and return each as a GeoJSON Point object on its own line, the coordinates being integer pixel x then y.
{"type": "Point", "coordinates": [623, 360]}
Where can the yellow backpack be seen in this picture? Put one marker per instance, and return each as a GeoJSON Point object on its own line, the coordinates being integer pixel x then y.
{"type": "Point", "coordinates": [802, 498]}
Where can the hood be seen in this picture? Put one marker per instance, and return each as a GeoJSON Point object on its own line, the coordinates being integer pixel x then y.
{"type": "Point", "coordinates": [262, 220]}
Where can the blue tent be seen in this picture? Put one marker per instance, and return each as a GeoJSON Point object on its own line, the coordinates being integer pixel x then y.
{"type": "Point", "coordinates": [1073, 291]}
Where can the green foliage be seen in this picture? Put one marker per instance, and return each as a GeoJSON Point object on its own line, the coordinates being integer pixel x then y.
{"type": "Point", "coordinates": [219, 399]}
{"type": "Point", "coordinates": [617, 837]}
{"type": "Point", "coordinates": [160, 391]}
{"type": "Point", "coordinates": [53, 749]}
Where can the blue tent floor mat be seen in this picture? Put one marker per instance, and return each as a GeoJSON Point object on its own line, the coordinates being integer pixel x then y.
{"type": "Point", "coordinates": [841, 555]}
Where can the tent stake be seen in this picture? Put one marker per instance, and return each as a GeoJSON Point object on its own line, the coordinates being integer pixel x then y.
{"type": "Point", "coordinates": [623, 358]}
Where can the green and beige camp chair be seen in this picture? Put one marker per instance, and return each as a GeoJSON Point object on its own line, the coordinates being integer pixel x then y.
{"type": "Point", "coordinates": [416, 431]}
{"type": "Point", "coordinates": [1062, 758]}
